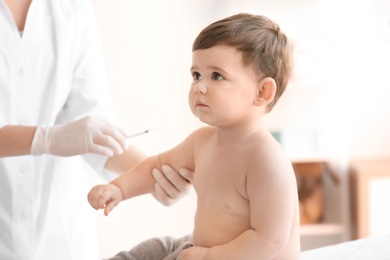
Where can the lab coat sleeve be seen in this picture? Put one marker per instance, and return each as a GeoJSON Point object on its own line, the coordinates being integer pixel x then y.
{"type": "Point", "coordinates": [89, 92]}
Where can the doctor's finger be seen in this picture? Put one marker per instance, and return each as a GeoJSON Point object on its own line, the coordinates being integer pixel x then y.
{"type": "Point", "coordinates": [162, 196]}
{"type": "Point", "coordinates": [99, 149]}
{"type": "Point", "coordinates": [118, 134]}
{"type": "Point", "coordinates": [180, 182]}
{"type": "Point", "coordinates": [165, 184]}
{"type": "Point", "coordinates": [108, 142]}
{"type": "Point", "coordinates": [187, 174]}
{"type": "Point", "coordinates": [121, 130]}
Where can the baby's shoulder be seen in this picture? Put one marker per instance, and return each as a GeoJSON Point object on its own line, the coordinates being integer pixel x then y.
{"type": "Point", "coordinates": [268, 152]}
{"type": "Point", "coordinates": [200, 136]}
{"type": "Point", "coordinates": [204, 132]}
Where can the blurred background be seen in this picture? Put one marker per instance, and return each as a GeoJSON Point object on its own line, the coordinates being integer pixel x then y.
{"type": "Point", "coordinates": [335, 111]}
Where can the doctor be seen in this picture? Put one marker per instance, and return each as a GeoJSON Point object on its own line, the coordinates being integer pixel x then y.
{"type": "Point", "coordinates": [53, 105]}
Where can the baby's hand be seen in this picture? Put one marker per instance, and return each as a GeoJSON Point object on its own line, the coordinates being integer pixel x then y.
{"type": "Point", "coordinates": [193, 253]}
{"type": "Point", "coordinates": [105, 197]}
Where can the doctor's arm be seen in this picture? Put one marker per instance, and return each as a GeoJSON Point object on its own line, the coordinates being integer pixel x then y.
{"type": "Point", "coordinates": [169, 187]}
{"type": "Point", "coordinates": [86, 135]}
{"type": "Point", "coordinates": [16, 140]}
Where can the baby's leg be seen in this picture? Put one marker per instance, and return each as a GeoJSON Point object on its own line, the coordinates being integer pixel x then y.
{"type": "Point", "coordinates": [154, 248]}
{"type": "Point", "coordinates": [180, 245]}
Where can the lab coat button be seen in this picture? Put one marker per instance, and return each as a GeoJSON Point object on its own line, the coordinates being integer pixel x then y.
{"type": "Point", "coordinates": [21, 72]}
{"type": "Point", "coordinates": [23, 215]}
{"type": "Point", "coordinates": [25, 168]}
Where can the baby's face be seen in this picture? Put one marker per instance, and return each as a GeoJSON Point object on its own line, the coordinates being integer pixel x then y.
{"type": "Point", "coordinates": [223, 90]}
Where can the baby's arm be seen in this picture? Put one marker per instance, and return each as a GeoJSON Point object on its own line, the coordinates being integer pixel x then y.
{"type": "Point", "coordinates": [139, 180]}
{"type": "Point", "coordinates": [136, 181]}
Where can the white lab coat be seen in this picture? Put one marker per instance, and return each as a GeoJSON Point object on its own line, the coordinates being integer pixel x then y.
{"type": "Point", "coordinates": [53, 74]}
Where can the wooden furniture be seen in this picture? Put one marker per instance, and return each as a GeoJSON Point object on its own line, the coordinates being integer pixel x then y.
{"type": "Point", "coordinates": [325, 223]}
{"type": "Point", "coordinates": [370, 195]}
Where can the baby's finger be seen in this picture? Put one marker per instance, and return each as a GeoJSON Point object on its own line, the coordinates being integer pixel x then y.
{"type": "Point", "coordinates": [104, 197]}
{"type": "Point", "coordinates": [93, 197]}
{"type": "Point", "coordinates": [110, 206]}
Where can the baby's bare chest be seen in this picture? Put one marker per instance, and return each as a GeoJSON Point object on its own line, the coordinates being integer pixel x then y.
{"type": "Point", "coordinates": [223, 206]}
{"type": "Point", "coordinates": [221, 173]}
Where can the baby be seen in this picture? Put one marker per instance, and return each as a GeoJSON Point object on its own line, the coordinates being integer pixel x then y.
{"type": "Point", "coordinates": [247, 200]}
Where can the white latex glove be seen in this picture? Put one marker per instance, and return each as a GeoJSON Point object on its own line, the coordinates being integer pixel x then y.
{"type": "Point", "coordinates": [86, 135]}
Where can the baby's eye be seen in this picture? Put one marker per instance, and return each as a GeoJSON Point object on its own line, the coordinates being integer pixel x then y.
{"type": "Point", "coordinates": [195, 76]}
{"type": "Point", "coordinates": [216, 76]}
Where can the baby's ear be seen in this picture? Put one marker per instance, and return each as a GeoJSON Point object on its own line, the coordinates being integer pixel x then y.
{"type": "Point", "coordinates": [265, 91]}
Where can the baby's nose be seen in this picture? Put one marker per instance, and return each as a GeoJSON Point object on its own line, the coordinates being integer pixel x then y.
{"type": "Point", "coordinates": [201, 88]}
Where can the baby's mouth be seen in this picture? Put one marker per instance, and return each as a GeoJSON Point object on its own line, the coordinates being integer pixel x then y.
{"type": "Point", "coordinates": [200, 104]}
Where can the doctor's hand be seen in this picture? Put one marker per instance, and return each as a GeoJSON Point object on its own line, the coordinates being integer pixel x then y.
{"type": "Point", "coordinates": [86, 135]}
{"type": "Point", "coordinates": [105, 197]}
{"type": "Point", "coordinates": [171, 185]}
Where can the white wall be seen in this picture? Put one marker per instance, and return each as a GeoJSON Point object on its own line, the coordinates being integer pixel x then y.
{"type": "Point", "coordinates": [340, 88]}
